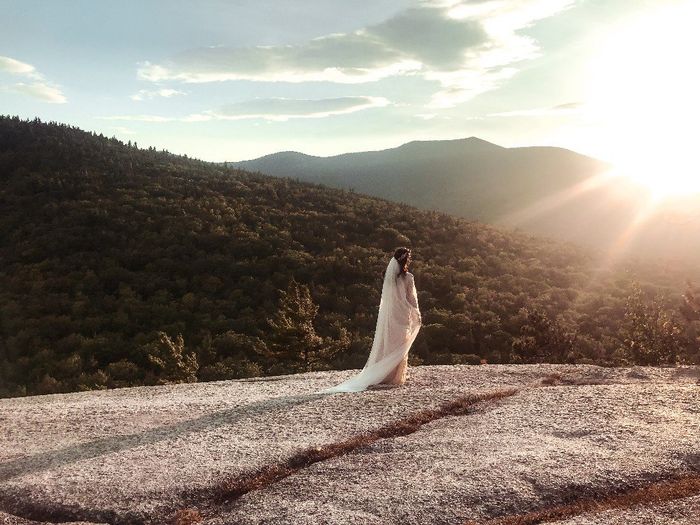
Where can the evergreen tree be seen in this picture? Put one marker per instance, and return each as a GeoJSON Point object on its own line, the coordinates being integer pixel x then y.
{"type": "Point", "coordinates": [173, 363]}
{"type": "Point", "coordinates": [295, 340]}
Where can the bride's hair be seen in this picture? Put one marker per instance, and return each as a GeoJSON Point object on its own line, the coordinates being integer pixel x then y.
{"type": "Point", "coordinates": [403, 255]}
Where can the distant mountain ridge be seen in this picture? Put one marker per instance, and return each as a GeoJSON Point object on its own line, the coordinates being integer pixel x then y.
{"type": "Point", "coordinates": [463, 175]}
{"type": "Point", "coordinates": [544, 190]}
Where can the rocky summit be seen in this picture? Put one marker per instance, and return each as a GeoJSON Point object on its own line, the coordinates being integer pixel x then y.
{"type": "Point", "coordinates": [457, 445]}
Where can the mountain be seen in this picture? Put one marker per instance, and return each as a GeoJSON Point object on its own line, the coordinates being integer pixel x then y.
{"type": "Point", "coordinates": [470, 177]}
{"type": "Point", "coordinates": [544, 190]}
{"type": "Point", "coordinates": [505, 444]}
{"type": "Point", "coordinates": [122, 266]}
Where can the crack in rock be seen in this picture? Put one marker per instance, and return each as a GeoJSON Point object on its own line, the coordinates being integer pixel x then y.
{"type": "Point", "coordinates": [232, 489]}
{"type": "Point", "coordinates": [651, 494]}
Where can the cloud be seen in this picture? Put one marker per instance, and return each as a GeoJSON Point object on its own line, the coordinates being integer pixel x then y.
{"type": "Point", "coordinates": [276, 109]}
{"type": "Point", "coordinates": [15, 67]}
{"type": "Point", "coordinates": [554, 111]}
{"type": "Point", "coordinates": [285, 108]}
{"type": "Point", "coordinates": [146, 94]}
{"type": "Point", "coordinates": [410, 41]}
{"type": "Point", "coordinates": [427, 35]}
{"type": "Point", "coordinates": [466, 47]}
{"type": "Point", "coordinates": [569, 106]}
{"type": "Point", "coordinates": [39, 88]}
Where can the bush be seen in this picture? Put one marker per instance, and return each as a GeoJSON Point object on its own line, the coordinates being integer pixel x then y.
{"type": "Point", "coordinates": [466, 359]}
{"type": "Point", "coordinates": [173, 364]}
{"type": "Point", "coordinates": [123, 373]}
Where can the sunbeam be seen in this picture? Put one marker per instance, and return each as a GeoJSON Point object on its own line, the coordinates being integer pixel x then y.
{"type": "Point", "coordinates": [643, 98]}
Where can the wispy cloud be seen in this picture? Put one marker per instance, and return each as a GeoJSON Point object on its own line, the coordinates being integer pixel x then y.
{"type": "Point", "coordinates": [277, 109]}
{"type": "Point", "coordinates": [466, 47]}
{"type": "Point", "coordinates": [553, 111]}
{"type": "Point", "coordinates": [38, 88]}
{"type": "Point", "coordinates": [147, 94]}
{"type": "Point", "coordinates": [285, 108]}
{"type": "Point", "coordinates": [10, 65]}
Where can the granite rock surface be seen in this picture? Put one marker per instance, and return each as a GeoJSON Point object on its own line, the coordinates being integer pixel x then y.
{"type": "Point", "coordinates": [159, 454]}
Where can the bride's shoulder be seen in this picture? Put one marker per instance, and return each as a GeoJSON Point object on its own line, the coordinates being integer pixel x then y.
{"type": "Point", "coordinates": [408, 275]}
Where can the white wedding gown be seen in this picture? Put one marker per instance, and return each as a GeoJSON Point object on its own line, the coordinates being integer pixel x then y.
{"type": "Point", "coordinates": [398, 323]}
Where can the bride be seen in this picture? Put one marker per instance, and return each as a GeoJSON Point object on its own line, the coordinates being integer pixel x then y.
{"type": "Point", "coordinates": [397, 327]}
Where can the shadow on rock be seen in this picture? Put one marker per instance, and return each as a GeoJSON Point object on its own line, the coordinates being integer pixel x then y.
{"type": "Point", "coordinates": [99, 447]}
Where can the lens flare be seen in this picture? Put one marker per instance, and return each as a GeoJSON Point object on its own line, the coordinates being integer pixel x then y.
{"type": "Point", "coordinates": [644, 99]}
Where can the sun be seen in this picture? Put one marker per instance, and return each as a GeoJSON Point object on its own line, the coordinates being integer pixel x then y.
{"type": "Point", "coordinates": [643, 99]}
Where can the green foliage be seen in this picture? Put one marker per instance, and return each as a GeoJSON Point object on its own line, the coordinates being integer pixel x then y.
{"type": "Point", "coordinates": [690, 310]}
{"type": "Point", "coordinates": [464, 359]}
{"type": "Point", "coordinates": [103, 245]}
{"type": "Point", "coordinates": [294, 338]}
{"type": "Point", "coordinates": [230, 368]}
{"type": "Point", "coordinates": [123, 373]}
{"type": "Point", "coordinates": [690, 307]}
{"type": "Point", "coordinates": [652, 333]}
{"type": "Point", "coordinates": [172, 363]}
{"type": "Point", "coordinates": [543, 339]}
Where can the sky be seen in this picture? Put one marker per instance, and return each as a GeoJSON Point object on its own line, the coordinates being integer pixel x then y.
{"type": "Point", "coordinates": [233, 80]}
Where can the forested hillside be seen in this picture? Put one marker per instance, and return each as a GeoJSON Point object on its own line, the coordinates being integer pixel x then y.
{"type": "Point", "coordinates": [124, 266]}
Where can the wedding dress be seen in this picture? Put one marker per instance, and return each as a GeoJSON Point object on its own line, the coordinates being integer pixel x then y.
{"type": "Point", "coordinates": [398, 323]}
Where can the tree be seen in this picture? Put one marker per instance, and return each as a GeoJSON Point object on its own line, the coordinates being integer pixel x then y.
{"type": "Point", "coordinates": [542, 338]}
{"type": "Point", "coordinates": [295, 340]}
{"type": "Point", "coordinates": [173, 363]}
{"type": "Point", "coordinates": [123, 373]}
{"type": "Point", "coordinates": [652, 335]}
{"type": "Point", "coordinates": [231, 355]}
{"type": "Point", "coordinates": [690, 310]}
{"type": "Point", "coordinates": [690, 307]}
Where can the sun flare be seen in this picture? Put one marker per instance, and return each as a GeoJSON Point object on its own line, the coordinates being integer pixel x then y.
{"type": "Point", "coordinates": [643, 99]}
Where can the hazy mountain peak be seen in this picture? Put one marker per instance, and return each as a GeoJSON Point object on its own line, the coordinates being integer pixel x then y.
{"type": "Point", "coordinates": [469, 142]}
{"type": "Point", "coordinates": [288, 155]}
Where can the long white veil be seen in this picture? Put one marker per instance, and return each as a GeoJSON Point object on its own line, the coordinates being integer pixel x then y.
{"type": "Point", "coordinates": [398, 323]}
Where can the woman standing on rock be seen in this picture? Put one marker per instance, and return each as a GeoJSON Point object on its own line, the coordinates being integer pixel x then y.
{"type": "Point", "coordinates": [398, 323]}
